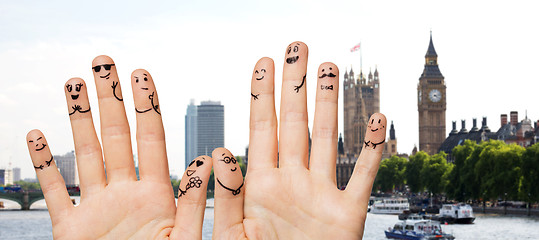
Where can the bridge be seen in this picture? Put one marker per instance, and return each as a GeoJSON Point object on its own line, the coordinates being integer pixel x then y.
{"type": "Point", "coordinates": [25, 198]}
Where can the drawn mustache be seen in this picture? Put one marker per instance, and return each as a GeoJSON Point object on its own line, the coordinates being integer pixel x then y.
{"type": "Point", "coordinates": [328, 75]}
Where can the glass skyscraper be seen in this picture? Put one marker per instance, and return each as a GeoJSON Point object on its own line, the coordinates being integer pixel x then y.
{"type": "Point", "coordinates": [190, 133]}
{"type": "Point", "coordinates": [204, 129]}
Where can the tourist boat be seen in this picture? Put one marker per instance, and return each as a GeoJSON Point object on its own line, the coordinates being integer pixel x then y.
{"type": "Point", "coordinates": [455, 213]}
{"type": "Point", "coordinates": [417, 229]}
{"type": "Point", "coordinates": [390, 206]}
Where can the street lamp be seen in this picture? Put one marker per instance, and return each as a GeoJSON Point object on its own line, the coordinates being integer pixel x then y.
{"type": "Point", "coordinates": [505, 205]}
{"type": "Point", "coordinates": [529, 201]}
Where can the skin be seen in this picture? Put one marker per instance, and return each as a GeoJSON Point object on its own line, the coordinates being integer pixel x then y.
{"type": "Point", "coordinates": [117, 206]}
{"type": "Point", "coordinates": [287, 195]}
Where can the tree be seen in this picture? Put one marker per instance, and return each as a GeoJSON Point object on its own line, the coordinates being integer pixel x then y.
{"type": "Point", "coordinates": [413, 171]}
{"type": "Point", "coordinates": [458, 179]}
{"type": "Point", "coordinates": [498, 169]}
{"type": "Point", "coordinates": [529, 187]}
{"type": "Point", "coordinates": [433, 171]}
{"type": "Point", "coordinates": [28, 185]}
{"type": "Point", "coordinates": [391, 173]}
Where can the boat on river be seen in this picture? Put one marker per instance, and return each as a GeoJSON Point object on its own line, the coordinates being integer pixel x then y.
{"type": "Point", "coordinates": [455, 213]}
{"type": "Point", "coordinates": [390, 206]}
{"type": "Point", "coordinates": [416, 228]}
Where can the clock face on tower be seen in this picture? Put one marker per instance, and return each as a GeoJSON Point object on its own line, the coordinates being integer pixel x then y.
{"type": "Point", "coordinates": [435, 95]}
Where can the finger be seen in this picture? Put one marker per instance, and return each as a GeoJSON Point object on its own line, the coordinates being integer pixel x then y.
{"type": "Point", "coordinates": [324, 136]}
{"type": "Point", "coordinates": [293, 130]}
{"type": "Point", "coordinates": [228, 199]}
{"type": "Point", "coordinates": [192, 199]}
{"type": "Point", "coordinates": [52, 183]}
{"type": "Point", "coordinates": [89, 155]}
{"type": "Point", "coordinates": [263, 123]}
{"type": "Point", "coordinates": [114, 126]}
{"type": "Point", "coordinates": [152, 151]}
{"type": "Point", "coordinates": [360, 183]}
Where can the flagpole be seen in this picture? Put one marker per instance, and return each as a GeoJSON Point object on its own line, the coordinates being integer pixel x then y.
{"type": "Point", "coordinates": [360, 58]}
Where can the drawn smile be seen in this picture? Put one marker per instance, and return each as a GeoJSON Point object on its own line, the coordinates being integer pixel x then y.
{"type": "Point", "coordinates": [74, 97]}
{"type": "Point", "coordinates": [190, 172]}
{"type": "Point", "coordinates": [233, 170]}
{"type": "Point", "coordinates": [260, 78]}
{"type": "Point", "coordinates": [43, 146]}
{"type": "Point", "coordinates": [291, 60]}
{"type": "Point", "coordinates": [106, 76]}
{"type": "Point", "coordinates": [374, 130]}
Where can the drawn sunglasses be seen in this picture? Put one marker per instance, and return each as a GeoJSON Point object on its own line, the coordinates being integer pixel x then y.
{"type": "Point", "coordinates": [106, 66]}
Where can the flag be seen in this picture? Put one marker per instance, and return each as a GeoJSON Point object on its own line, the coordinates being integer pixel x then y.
{"type": "Point", "coordinates": [355, 48]}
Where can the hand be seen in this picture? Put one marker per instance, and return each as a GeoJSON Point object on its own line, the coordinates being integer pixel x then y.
{"type": "Point", "coordinates": [287, 194]}
{"type": "Point", "coordinates": [117, 206]}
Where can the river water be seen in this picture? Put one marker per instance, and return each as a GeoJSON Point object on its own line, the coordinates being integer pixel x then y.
{"type": "Point", "coordinates": [36, 224]}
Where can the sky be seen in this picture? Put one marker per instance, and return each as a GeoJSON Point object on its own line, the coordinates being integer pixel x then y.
{"type": "Point", "coordinates": [206, 50]}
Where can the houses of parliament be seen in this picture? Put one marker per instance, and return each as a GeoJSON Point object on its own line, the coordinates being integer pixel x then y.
{"type": "Point", "coordinates": [362, 98]}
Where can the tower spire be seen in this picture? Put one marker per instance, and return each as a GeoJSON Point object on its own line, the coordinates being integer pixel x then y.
{"type": "Point", "coordinates": [431, 52]}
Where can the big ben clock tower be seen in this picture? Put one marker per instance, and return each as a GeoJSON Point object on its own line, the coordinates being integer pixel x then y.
{"type": "Point", "coordinates": [431, 104]}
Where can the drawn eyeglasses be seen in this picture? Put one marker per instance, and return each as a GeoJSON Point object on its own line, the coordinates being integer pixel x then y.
{"type": "Point", "coordinates": [228, 160]}
{"type": "Point", "coordinates": [106, 66]}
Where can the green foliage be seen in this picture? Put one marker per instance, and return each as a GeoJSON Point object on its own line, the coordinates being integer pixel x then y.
{"type": "Point", "coordinates": [413, 171]}
{"type": "Point", "coordinates": [28, 185]}
{"type": "Point", "coordinates": [498, 169]}
{"type": "Point", "coordinates": [433, 171]}
{"type": "Point", "coordinates": [529, 187]}
{"type": "Point", "coordinates": [211, 182]}
{"type": "Point", "coordinates": [391, 173]}
{"type": "Point", "coordinates": [175, 183]}
{"type": "Point", "coordinates": [461, 184]}
{"type": "Point", "coordinates": [487, 171]}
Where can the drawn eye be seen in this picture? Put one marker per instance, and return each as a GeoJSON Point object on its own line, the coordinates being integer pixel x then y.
{"type": "Point", "coordinates": [379, 120]}
{"type": "Point", "coordinates": [323, 70]}
{"type": "Point", "coordinates": [330, 68]}
{"type": "Point", "coordinates": [372, 121]}
{"type": "Point", "coordinates": [69, 87]}
{"type": "Point", "coordinates": [296, 49]}
{"type": "Point", "coordinates": [78, 86]}
{"type": "Point", "coordinates": [289, 50]}
{"type": "Point", "coordinates": [145, 79]}
{"type": "Point", "coordinates": [263, 70]}
{"type": "Point", "coordinates": [256, 71]}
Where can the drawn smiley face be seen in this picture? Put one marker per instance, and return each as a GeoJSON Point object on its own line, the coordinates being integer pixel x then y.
{"type": "Point", "coordinates": [39, 142]}
{"type": "Point", "coordinates": [142, 80]}
{"type": "Point", "coordinates": [376, 130]}
{"type": "Point", "coordinates": [197, 163]}
{"type": "Point", "coordinates": [76, 93]}
{"type": "Point", "coordinates": [103, 70]}
{"type": "Point", "coordinates": [229, 160]}
{"type": "Point", "coordinates": [327, 72]}
{"type": "Point", "coordinates": [292, 53]}
{"type": "Point", "coordinates": [259, 75]}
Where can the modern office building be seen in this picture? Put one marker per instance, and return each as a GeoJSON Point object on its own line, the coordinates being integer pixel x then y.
{"type": "Point", "coordinates": [210, 127]}
{"type": "Point", "coordinates": [68, 168]}
{"type": "Point", "coordinates": [2, 177]}
{"type": "Point", "coordinates": [190, 133]}
{"type": "Point", "coordinates": [16, 174]}
{"type": "Point", "coordinates": [8, 176]}
{"type": "Point", "coordinates": [204, 129]}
